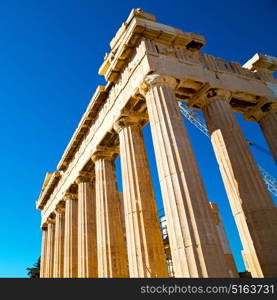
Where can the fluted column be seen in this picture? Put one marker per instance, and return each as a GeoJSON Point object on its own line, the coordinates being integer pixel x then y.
{"type": "Point", "coordinates": [112, 258]}
{"type": "Point", "coordinates": [50, 248]}
{"type": "Point", "coordinates": [71, 236]}
{"type": "Point", "coordinates": [43, 252]}
{"type": "Point", "coordinates": [251, 204]}
{"type": "Point", "coordinates": [87, 242]}
{"type": "Point", "coordinates": [145, 248]}
{"type": "Point", "coordinates": [59, 242]}
{"type": "Point", "coordinates": [229, 259]}
{"type": "Point", "coordinates": [268, 126]}
{"type": "Point", "coordinates": [194, 243]}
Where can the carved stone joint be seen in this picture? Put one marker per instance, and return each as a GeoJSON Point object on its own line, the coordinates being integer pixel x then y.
{"type": "Point", "coordinates": [69, 196]}
{"type": "Point", "coordinates": [157, 80]}
{"type": "Point", "coordinates": [85, 177]}
{"type": "Point", "coordinates": [60, 207]}
{"type": "Point", "coordinates": [219, 94]}
{"type": "Point", "coordinates": [196, 100]}
{"type": "Point", "coordinates": [105, 153]}
{"type": "Point", "coordinates": [129, 118]}
{"type": "Point", "coordinates": [214, 94]}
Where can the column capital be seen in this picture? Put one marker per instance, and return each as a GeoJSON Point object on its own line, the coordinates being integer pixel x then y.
{"type": "Point", "coordinates": [105, 153]}
{"type": "Point", "coordinates": [208, 94]}
{"type": "Point", "coordinates": [44, 226]}
{"type": "Point", "coordinates": [261, 110]}
{"type": "Point", "coordinates": [155, 79]}
{"type": "Point", "coordinates": [69, 196]}
{"type": "Point", "coordinates": [85, 177]}
{"type": "Point", "coordinates": [129, 118]}
{"type": "Point", "coordinates": [51, 220]}
{"type": "Point", "coordinates": [60, 207]}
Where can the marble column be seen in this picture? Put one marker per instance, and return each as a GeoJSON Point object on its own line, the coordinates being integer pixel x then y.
{"type": "Point", "coordinates": [43, 252]}
{"type": "Point", "coordinates": [71, 236]}
{"type": "Point", "coordinates": [87, 242]}
{"type": "Point", "coordinates": [59, 241]}
{"type": "Point", "coordinates": [268, 124]}
{"type": "Point", "coordinates": [112, 257]}
{"type": "Point", "coordinates": [50, 248]}
{"type": "Point", "coordinates": [229, 259]}
{"type": "Point", "coordinates": [251, 204]}
{"type": "Point", "coordinates": [194, 243]}
{"type": "Point", "coordinates": [145, 248]}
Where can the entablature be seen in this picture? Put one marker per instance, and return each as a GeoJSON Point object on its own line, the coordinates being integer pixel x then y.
{"type": "Point", "coordinates": [87, 119]}
{"type": "Point", "coordinates": [131, 33]}
{"type": "Point", "coordinates": [50, 184]}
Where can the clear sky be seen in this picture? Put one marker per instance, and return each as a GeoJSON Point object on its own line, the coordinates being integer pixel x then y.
{"type": "Point", "coordinates": [49, 58]}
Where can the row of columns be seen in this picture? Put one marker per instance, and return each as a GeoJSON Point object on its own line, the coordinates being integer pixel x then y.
{"type": "Point", "coordinates": [251, 204]}
{"type": "Point", "coordinates": [94, 244]}
{"type": "Point", "coordinates": [144, 243]}
{"type": "Point", "coordinates": [194, 243]}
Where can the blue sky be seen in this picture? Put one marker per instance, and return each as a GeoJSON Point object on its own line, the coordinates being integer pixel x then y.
{"type": "Point", "coordinates": [49, 58]}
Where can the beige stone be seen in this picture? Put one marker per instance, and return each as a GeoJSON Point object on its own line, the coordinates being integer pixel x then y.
{"type": "Point", "coordinates": [194, 243]}
{"type": "Point", "coordinates": [87, 242]}
{"type": "Point", "coordinates": [269, 128]}
{"type": "Point", "coordinates": [141, 47]}
{"type": "Point", "coordinates": [265, 113]}
{"type": "Point", "coordinates": [50, 249]}
{"type": "Point", "coordinates": [145, 250]}
{"type": "Point", "coordinates": [112, 257]}
{"type": "Point", "coordinates": [43, 258]}
{"type": "Point", "coordinates": [71, 236]}
{"type": "Point", "coordinates": [264, 65]}
{"type": "Point", "coordinates": [58, 271]}
{"type": "Point", "coordinates": [228, 256]}
{"type": "Point", "coordinates": [251, 204]}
